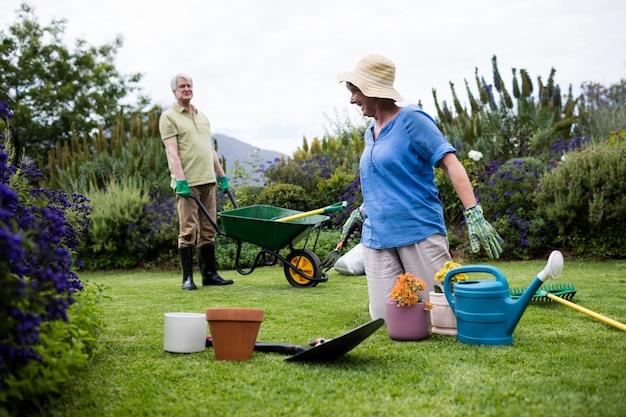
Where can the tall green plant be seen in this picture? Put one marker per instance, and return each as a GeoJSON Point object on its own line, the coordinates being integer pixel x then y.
{"type": "Point", "coordinates": [502, 125]}
{"type": "Point", "coordinates": [79, 165]}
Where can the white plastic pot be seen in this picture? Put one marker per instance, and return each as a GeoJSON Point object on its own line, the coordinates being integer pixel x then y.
{"type": "Point", "coordinates": [185, 332]}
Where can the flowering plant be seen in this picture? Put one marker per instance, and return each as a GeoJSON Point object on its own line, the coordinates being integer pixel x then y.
{"type": "Point", "coordinates": [441, 275]}
{"type": "Point", "coordinates": [408, 291]}
{"type": "Point", "coordinates": [40, 230]}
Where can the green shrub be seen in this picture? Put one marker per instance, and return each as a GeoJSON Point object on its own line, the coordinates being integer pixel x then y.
{"type": "Point", "coordinates": [333, 188]}
{"type": "Point", "coordinates": [585, 196]}
{"type": "Point", "coordinates": [288, 196]}
{"type": "Point", "coordinates": [246, 195]}
{"type": "Point", "coordinates": [114, 211]}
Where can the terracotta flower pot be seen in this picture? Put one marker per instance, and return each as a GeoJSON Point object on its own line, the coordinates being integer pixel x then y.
{"type": "Point", "coordinates": [407, 322]}
{"type": "Point", "coordinates": [234, 332]}
{"type": "Point", "coordinates": [442, 317]}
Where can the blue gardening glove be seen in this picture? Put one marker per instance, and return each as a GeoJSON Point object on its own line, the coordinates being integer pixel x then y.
{"type": "Point", "coordinates": [182, 188]}
{"type": "Point", "coordinates": [223, 182]}
{"type": "Point", "coordinates": [355, 221]}
{"type": "Point", "coordinates": [480, 231]}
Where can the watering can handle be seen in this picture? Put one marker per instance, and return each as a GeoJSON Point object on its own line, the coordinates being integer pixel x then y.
{"type": "Point", "coordinates": [488, 269]}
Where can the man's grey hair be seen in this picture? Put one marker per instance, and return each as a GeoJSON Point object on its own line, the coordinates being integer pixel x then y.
{"type": "Point", "coordinates": [180, 75]}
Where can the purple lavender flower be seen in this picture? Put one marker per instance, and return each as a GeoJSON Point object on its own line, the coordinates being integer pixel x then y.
{"type": "Point", "coordinates": [5, 112]}
{"type": "Point", "coordinates": [36, 277]}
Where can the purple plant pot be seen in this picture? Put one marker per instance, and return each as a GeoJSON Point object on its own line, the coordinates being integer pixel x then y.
{"type": "Point", "coordinates": [407, 322]}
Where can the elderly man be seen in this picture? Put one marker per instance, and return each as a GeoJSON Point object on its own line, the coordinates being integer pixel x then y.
{"type": "Point", "coordinates": [195, 168]}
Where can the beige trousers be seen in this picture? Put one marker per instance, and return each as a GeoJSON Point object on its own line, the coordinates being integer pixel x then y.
{"type": "Point", "coordinates": [382, 266]}
{"type": "Point", "coordinates": [194, 229]}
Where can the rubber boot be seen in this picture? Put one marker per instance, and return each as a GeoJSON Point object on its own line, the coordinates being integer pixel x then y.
{"type": "Point", "coordinates": [186, 261]}
{"type": "Point", "coordinates": [207, 267]}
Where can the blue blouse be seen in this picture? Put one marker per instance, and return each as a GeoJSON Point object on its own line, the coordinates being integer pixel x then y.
{"type": "Point", "coordinates": [401, 203]}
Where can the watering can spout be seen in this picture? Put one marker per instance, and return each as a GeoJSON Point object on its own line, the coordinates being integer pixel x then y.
{"type": "Point", "coordinates": [553, 269]}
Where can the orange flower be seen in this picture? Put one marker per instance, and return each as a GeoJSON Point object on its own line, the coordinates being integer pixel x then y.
{"type": "Point", "coordinates": [408, 291]}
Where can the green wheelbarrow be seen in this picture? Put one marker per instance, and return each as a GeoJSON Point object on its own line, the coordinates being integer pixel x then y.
{"type": "Point", "coordinates": [273, 229]}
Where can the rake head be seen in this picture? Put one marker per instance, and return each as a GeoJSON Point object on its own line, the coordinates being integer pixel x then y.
{"type": "Point", "coordinates": [565, 291]}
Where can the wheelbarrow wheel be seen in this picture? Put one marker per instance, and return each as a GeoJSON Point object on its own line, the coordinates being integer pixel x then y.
{"type": "Point", "coordinates": [308, 262]}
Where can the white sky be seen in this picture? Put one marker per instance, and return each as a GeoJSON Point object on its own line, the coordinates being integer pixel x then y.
{"type": "Point", "coordinates": [265, 71]}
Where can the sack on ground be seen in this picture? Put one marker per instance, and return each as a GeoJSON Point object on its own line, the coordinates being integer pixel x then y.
{"type": "Point", "coordinates": [352, 262]}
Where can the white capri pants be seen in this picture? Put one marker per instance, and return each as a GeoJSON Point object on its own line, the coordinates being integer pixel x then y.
{"type": "Point", "coordinates": [382, 266]}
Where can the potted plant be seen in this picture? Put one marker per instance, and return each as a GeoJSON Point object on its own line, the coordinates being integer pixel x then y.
{"type": "Point", "coordinates": [408, 314]}
{"type": "Point", "coordinates": [443, 319]}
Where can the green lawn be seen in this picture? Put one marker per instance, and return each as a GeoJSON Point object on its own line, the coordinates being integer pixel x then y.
{"type": "Point", "coordinates": [562, 362]}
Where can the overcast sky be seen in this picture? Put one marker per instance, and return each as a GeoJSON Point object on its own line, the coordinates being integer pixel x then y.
{"type": "Point", "coordinates": [265, 71]}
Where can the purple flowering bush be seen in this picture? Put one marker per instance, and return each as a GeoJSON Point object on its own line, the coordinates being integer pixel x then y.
{"type": "Point", "coordinates": [39, 230]}
{"type": "Point", "coordinates": [506, 193]}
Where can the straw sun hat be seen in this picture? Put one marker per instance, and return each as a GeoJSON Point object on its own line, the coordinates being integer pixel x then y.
{"type": "Point", "coordinates": [373, 75]}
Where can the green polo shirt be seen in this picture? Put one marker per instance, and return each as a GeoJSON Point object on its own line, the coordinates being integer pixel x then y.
{"type": "Point", "coordinates": [193, 135]}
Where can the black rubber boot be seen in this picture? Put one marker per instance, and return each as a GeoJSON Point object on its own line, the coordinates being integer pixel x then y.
{"type": "Point", "coordinates": [186, 261]}
{"type": "Point", "coordinates": [207, 267]}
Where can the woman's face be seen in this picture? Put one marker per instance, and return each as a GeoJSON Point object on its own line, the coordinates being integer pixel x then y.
{"type": "Point", "coordinates": [365, 103]}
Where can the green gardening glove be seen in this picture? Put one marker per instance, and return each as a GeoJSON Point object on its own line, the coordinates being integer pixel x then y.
{"type": "Point", "coordinates": [355, 221]}
{"type": "Point", "coordinates": [480, 231]}
{"type": "Point", "coordinates": [223, 181]}
{"type": "Point", "coordinates": [182, 188]}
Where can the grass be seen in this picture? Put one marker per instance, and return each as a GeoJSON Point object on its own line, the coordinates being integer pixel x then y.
{"type": "Point", "coordinates": [562, 362]}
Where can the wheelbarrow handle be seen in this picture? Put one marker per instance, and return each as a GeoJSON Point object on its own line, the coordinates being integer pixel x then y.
{"type": "Point", "coordinates": [333, 207]}
{"type": "Point", "coordinates": [232, 198]}
{"type": "Point", "coordinates": [208, 215]}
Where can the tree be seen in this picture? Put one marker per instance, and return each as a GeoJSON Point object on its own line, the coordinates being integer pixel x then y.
{"type": "Point", "coordinates": [54, 90]}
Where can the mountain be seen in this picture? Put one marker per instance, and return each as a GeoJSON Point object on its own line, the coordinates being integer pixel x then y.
{"type": "Point", "coordinates": [249, 157]}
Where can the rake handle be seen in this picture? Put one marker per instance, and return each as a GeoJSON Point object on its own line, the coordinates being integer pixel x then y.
{"type": "Point", "coordinates": [591, 313]}
{"type": "Point", "coordinates": [300, 215]}
{"type": "Point", "coordinates": [328, 209]}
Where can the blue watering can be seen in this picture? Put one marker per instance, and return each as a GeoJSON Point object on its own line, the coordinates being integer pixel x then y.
{"type": "Point", "coordinates": [485, 312]}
